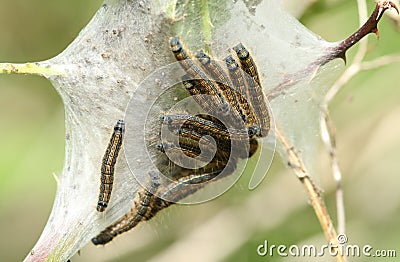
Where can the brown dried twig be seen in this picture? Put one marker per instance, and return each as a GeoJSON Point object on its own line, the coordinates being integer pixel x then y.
{"type": "Point", "coordinates": [311, 188]}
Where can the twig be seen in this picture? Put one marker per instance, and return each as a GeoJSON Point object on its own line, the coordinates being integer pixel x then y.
{"type": "Point", "coordinates": [370, 26]}
{"type": "Point", "coordinates": [328, 135]}
{"type": "Point", "coordinates": [38, 68]}
{"type": "Point", "coordinates": [339, 51]}
{"type": "Point", "coordinates": [312, 190]}
{"type": "Point", "coordinates": [379, 62]}
{"type": "Point", "coordinates": [362, 18]}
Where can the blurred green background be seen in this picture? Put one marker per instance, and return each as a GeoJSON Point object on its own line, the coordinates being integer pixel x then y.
{"type": "Point", "coordinates": [366, 113]}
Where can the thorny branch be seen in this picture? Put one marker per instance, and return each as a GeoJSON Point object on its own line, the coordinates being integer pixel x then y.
{"type": "Point", "coordinates": [370, 26]}
{"type": "Point", "coordinates": [328, 132]}
{"type": "Point", "coordinates": [339, 51]}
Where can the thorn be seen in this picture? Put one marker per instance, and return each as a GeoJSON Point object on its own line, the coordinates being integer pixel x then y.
{"type": "Point", "coordinates": [394, 6]}
{"type": "Point", "coordinates": [385, 5]}
{"type": "Point", "coordinates": [376, 32]}
{"type": "Point", "coordinates": [343, 57]}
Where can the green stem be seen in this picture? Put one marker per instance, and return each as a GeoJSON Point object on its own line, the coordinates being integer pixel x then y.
{"type": "Point", "coordinates": [205, 14]}
{"type": "Point", "coordinates": [30, 69]}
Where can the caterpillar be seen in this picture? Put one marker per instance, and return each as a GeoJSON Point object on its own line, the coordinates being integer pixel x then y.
{"type": "Point", "coordinates": [108, 163]}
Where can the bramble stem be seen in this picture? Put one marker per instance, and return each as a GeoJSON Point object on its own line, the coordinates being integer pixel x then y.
{"type": "Point", "coordinates": [370, 26]}
{"type": "Point", "coordinates": [337, 51]}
